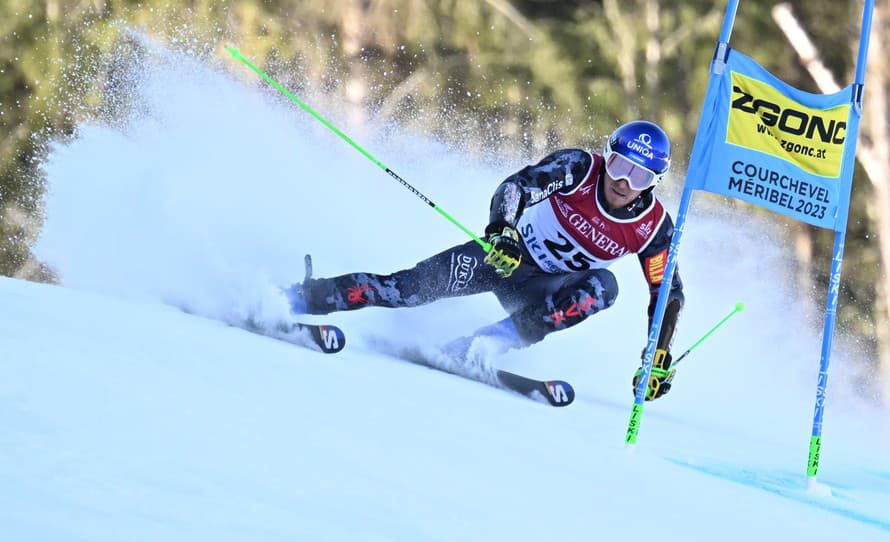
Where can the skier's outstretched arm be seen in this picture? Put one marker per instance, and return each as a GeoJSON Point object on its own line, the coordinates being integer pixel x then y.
{"type": "Point", "coordinates": [653, 261]}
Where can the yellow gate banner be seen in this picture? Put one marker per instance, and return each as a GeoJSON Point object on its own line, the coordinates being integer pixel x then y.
{"type": "Point", "coordinates": [775, 146]}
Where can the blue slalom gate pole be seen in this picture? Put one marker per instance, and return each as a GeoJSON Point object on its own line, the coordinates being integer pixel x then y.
{"type": "Point", "coordinates": [636, 414]}
{"type": "Point", "coordinates": [840, 236]}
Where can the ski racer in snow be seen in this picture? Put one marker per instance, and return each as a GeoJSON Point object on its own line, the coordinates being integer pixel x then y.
{"type": "Point", "coordinates": [554, 228]}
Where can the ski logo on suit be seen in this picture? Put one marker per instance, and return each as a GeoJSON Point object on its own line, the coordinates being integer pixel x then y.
{"type": "Point", "coordinates": [356, 294]}
{"type": "Point", "coordinates": [655, 267]}
{"type": "Point", "coordinates": [462, 269]}
{"type": "Point", "coordinates": [580, 308]}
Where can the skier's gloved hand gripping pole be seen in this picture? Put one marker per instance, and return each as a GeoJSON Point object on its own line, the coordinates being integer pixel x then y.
{"type": "Point", "coordinates": [505, 253]}
{"type": "Point", "coordinates": [663, 368]}
{"type": "Point", "coordinates": [236, 54]}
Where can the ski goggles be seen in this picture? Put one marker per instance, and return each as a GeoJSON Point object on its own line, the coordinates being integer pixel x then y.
{"type": "Point", "coordinates": [619, 167]}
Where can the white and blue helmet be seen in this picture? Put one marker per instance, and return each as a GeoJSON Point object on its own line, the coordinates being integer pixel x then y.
{"type": "Point", "coordinates": [638, 152]}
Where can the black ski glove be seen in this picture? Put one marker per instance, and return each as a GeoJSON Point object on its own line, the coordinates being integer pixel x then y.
{"type": "Point", "coordinates": [660, 376]}
{"type": "Point", "coordinates": [505, 253]}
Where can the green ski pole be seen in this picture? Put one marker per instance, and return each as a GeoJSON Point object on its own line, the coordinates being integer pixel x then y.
{"type": "Point", "coordinates": [739, 307]}
{"type": "Point", "coordinates": [236, 54]}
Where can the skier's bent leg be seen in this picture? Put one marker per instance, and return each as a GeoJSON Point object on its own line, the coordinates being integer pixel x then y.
{"type": "Point", "coordinates": [502, 336]}
{"type": "Point", "coordinates": [567, 306]}
{"type": "Point", "coordinates": [453, 272]}
{"type": "Point", "coordinates": [360, 290]}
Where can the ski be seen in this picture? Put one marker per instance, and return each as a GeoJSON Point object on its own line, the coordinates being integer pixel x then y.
{"type": "Point", "coordinates": [558, 393]}
{"type": "Point", "coordinates": [323, 337]}
{"type": "Point", "coordinates": [329, 339]}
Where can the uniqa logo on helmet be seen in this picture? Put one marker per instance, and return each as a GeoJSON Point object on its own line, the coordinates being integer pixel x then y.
{"type": "Point", "coordinates": [642, 144]}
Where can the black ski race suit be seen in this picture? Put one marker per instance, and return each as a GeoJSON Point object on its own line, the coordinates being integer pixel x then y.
{"type": "Point", "coordinates": [568, 238]}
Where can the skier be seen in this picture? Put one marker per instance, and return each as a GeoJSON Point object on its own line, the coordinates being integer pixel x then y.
{"type": "Point", "coordinates": [554, 228]}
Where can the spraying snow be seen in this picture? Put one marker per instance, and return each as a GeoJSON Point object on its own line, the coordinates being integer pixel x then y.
{"type": "Point", "coordinates": [208, 197]}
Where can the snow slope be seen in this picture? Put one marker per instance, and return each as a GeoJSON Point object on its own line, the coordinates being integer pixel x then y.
{"type": "Point", "coordinates": [127, 419]}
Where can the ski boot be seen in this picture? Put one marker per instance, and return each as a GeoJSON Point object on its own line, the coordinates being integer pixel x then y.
{"type": "Point", "coordinates": [296, 293]}
{"type": "Point", "coordinates": [499, 337]}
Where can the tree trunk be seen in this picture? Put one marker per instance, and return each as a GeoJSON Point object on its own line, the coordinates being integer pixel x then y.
{"type": "Point", "coordinates": [625, 52]}
{"type": "Point", "coordinates": [356, 36]}
{"type": "Point", "coordinates": [653, 57]}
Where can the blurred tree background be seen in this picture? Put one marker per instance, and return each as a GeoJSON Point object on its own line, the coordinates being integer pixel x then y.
{"type": "Point", "coordinates": [519, 77]}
